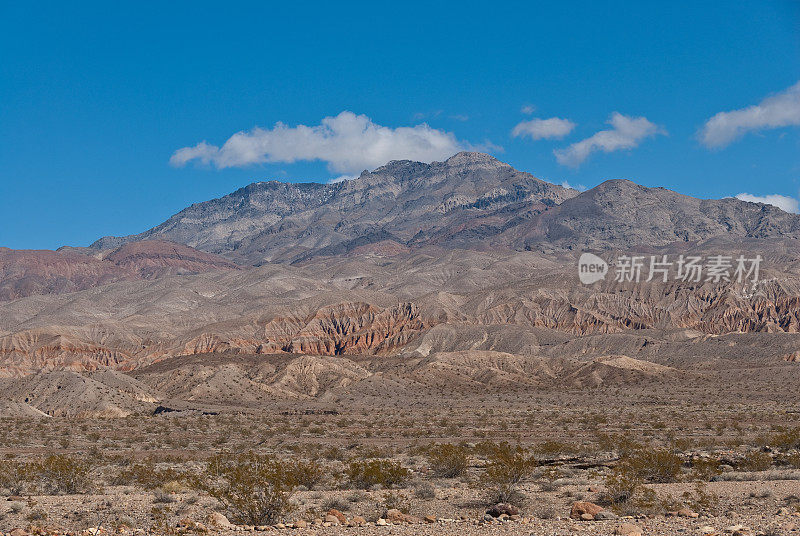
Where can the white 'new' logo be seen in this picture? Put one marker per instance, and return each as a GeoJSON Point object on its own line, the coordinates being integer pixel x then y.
{"type": "Point", "coordinates": [591, 268]}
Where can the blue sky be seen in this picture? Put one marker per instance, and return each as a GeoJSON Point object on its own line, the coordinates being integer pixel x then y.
{"type": "Point", "coordinates": [96, 98]}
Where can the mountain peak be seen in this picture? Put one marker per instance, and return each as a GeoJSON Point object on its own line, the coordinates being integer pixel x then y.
{"type": "Point", "coordinates": [467, 159]}
{"type": "Point", "coordinates": [474, 157]}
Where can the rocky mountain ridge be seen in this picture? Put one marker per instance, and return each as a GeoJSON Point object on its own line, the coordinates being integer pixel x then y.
{"type": "Point", "coordinates": [470, 201]}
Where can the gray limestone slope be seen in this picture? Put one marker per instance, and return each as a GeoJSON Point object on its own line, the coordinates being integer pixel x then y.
{"type": "Point", "coordinates": [401, 201]}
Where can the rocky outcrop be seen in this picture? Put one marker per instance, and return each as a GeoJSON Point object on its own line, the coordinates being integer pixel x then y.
{"type": "Point", "coordinates": [347, 328]}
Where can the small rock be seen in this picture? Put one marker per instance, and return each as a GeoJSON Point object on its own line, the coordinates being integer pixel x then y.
{"type": "Point", "coordinates": [708, 529]}
{"type": "Point", "coordinates": [317, 521]}
{"type": "Point", "coordinates": [332, 519]}
{"type": "Point", "coordinates": [579, 508]}
{"type": "Point", "coordinates": [605, 515]}
{"type": "Point", "coordinates": [280, 526]}
{"type": "Point", "coordinates": [218, 520]}
{"type": "Point", "coordinates": [18, 532]}
{"type": "Point", "coordinates": [628, 529]}
{"type": "Point", "coordinates": [398, 518]}
{"type": "Point", "coordinates": [300, 524]}
{"type": "Point", "coordinates": [429, 519]}
{"type": "Point", "coordinates": [358, 521]}
{"type": "Point", "coordinates": [587, 517]}
{"type": "Point", "coordinates": [503, 508]}
{"type": "Point", "coordinates": [381, 522]}
{"type": "Point", "coordinates": [338, 515]}
{"type": "Point", "coordinates": [737, 529]}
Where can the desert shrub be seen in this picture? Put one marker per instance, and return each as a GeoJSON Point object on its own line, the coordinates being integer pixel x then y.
{"type": "Point", "coordinates": [554, 448]}
{"type": "Point", "coordinates": [549, 485]}
{"type": "Point", "coordinates": [254, 489]}
{"type": "Point", "coordinates": [704, 469]}
{"type": "Point", "coordinates": [37, 514]}
{"type": "Point", "coordinates": [393, 500]}
{"type": "Point", "coordinates": [160, 524]}
{"type": "Point", "coordinates": [627, 494]}
{"type": "Point", "coordinates": [700, 499]}
{"type": "Point", "coordinates": [147, 476]}
{"type": "Point", "coordinates": [162, 497]}
{"type": "Point", "coordinates": [625, 485]}
{"type": "Point", "coordinates": [507, 467]}
{"type": "Point", "coordinates": [425, 490]}
{"type": "Point", "coordinates": [358, 496]}
{"type": "Point", "coordinates": [624, 445]}
{"type": "Point", "coordinates": [123, 524]}
{"type": "Point", "coordinates": [14, 476]}
{"type": "Point", "coordinates": [63, 474]}
{"type": "Point", "coordinates": [792, 460]}
{"type": "Point", "coordinates": [786, 439]}
{"type": "Point", "coordinates": [448, 461]}
{"type": "Point", "coordinates": [651, 465]}
{"type": "Point", "coordinates": [621, 486]}
{"type": "Point", "coordinates": [546, 512]}
{"type": "Point", "coordinates": [367, 473]}
{"type": "Point", "coordinates": [635, 468]}
{"type": "Point", "coordinates": [334, 454]}
{"type": "Point", "coordinates": [755, 461]}
{"type": "Point", "coordinates": [305, 473]}
{"type": "Point", "coordinates": [174, 486]}
{"type": "Point", "coordinates": [336, 503]}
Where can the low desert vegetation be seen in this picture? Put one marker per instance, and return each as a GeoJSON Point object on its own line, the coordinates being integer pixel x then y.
{"type": "Point", "coordinates": [448, 461]}
{"type": "Point", "coordinates": [254, 489]}
{"type": "Point", "coordinates": [366, 474]}
{"type": "Point", "coordinates": [52, 475]}
{"type": "Point", "coordinates": [264, 472]}
{"type": "Point", "coordinates": [507, 466]}
{"type": "Point", "coordinates": [651, 465]}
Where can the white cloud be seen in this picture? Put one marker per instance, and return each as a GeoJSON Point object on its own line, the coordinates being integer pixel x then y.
{"type": "Point", "coordinates": [539, 129]}
{"type": "Point", "coordinates": [785, 203]}
{"type": "Point", "coordinates": [349, 143]}
{"type": "Point", "coordinates": [578, 187]}
{"type": "Point", "coordinates": [626, 133]}
{"type": "Point", "coordinates": [780, 110]}
{"type": "Point", "coordinates": [528, 109]}
{"type": "Point", "coordinates": [342, 178]}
